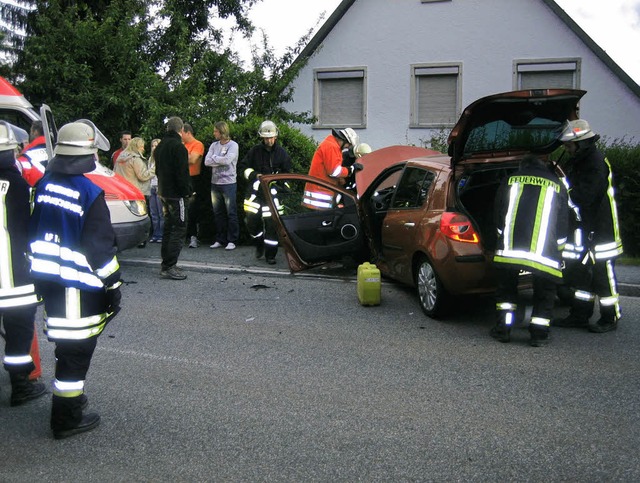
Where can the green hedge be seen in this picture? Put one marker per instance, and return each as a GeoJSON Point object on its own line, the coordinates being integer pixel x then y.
{"type": "Point", "coordinates": [624, 158]}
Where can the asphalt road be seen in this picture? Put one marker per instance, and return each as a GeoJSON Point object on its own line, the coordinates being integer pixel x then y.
{"type": "Point", "coordinates": [243, 376]}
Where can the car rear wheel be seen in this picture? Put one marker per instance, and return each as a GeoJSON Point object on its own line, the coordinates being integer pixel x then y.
{"type": "Point", "coordinates": [432, 295]}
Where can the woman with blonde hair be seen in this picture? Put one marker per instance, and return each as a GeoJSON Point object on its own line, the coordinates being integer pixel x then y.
{"type": "Point", "coordinates": [222, 158]}
{"type": "Point", "coordinates": [132, 166]}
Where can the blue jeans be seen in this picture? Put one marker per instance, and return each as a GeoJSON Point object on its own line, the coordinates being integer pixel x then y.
{"type": "Point", "coordinates": [225, 213]}
{"type": "Point", "coordinates": [155, 210]}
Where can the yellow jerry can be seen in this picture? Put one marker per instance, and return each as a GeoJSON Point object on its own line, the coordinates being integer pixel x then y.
{"type": "Point", "coordinates": [368, 284]}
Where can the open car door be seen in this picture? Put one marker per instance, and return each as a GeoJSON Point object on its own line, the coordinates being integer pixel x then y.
{"type": "Point", "coordinates": [312, 235]}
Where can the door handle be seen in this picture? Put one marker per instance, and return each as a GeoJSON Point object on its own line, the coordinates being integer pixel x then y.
{"type": "Point", "coordinates": [327, 223]}
{"type": "Point", "coordinates": [410, 224]}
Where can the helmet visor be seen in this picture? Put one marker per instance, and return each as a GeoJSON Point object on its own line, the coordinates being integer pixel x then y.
{"type": "Point", "coordinates": [15, 134]}
{"type": "Point", "coordinates": [99, 141]}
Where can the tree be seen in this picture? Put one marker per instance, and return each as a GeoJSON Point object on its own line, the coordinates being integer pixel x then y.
{"type": "Point", "coordinates": [129, 64]}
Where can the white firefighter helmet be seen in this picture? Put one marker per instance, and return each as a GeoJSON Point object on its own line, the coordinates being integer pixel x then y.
{"type": "Point", "coordinates": [11, 136]}
{"type": "Point", "coordinates": [268, 129]}
{"type": "Point", "coordinates": [79, 138]}
{"type": "Point", "coordinates": [577, 130]}
{"type": "Point", "coordinates": [347, 134]}
{"type": "Point", "coordinates": [361, 149]}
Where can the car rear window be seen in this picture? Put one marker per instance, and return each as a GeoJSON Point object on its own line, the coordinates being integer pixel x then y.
{"type": "Point", "coordinates": [536, 134]}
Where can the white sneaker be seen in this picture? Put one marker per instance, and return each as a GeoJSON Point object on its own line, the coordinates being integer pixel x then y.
{"type": "Point", "coordinates": [216, 245]}
{"type": "Point", "coordinates": [230, 246]}
{"type": "Point", "coordinates": [194, 242]}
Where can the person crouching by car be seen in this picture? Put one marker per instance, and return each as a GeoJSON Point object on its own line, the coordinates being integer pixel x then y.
{"type": "Point", "coordinates": [75, 269]}
{"type": "Point", "coordinates": [531, 218]}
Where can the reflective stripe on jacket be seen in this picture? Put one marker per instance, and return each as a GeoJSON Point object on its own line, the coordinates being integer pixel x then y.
{"type": "Point", "coordinates": [531, 218]}
{"type": "Point", "coordinates": [16, 289]}
{"type": "Point", "coordinates": [61, 204]}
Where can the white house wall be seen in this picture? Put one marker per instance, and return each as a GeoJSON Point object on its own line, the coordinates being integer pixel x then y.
{"type": "Point", "coordinates": [484, 36]}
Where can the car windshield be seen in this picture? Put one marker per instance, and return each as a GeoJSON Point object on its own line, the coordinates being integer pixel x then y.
{"type": "Point", "coordinates": [534, 134]}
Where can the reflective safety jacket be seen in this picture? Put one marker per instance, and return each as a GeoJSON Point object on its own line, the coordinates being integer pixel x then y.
{"type": "Point", "coordinates": [260, 160]}
{"type": "Point", "coordinates": [33, 160]}
{"type": "Point", "coordinates": [532, 217]}
{"type": "Point", "coordinates": [16, 286]}
{"type": "Point", "coordinates": [596, 233]}
{"type": "Point", "coordinates": [73, 255]}
{"type": "Point", "coordinates": [63, 250]}
{"type": "Point", "coordinates": [326, 165]}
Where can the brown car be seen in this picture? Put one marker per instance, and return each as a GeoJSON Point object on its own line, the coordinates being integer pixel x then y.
{"type": "Point", "coordinates": [425, 218]}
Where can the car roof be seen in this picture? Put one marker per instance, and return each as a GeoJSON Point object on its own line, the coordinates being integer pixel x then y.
{"type": "Point", "coordinates": [513, 122]}
{"type": "Point", "coordinates": [379, 160]}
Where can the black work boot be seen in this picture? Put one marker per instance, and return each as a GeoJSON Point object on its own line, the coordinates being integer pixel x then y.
{"type": "Point", "coordinates": [259, 248]}
{"type": "Point", "coordinates": [605, 324]}
{"type": "Point", "coordinates": [539, 337]}
{"type": "Point", "coordinates": [501, 332]}
{"type": "Point", "coordinates": [67, 418]}
{"type": "Point", "coordinates": [23, 390]}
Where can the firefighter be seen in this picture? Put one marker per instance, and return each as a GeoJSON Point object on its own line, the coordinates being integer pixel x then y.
{"type": "Point", "coordinates": [33, 159]}
{"type": "Point", "coordinates": [327, 165]}
{"type": "Point", "coordinates": [349, 157]}
{"type": "Point", "coordinates": [18, 300]}
{"type": "Point", "coordinates": [74, 264]}
{"type": "Point", "coordinates": [531, 217]}
{"type": "Point", "coordinates": [268, 157]}
{"type": "Point", "coordinates": [596, 243]}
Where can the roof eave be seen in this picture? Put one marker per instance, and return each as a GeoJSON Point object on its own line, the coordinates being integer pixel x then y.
{"type": "Point", "coordinates": [327, 27]}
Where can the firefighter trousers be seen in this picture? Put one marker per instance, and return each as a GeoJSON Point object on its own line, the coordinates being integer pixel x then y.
{"type": "Point", "coordinates": [19, 329]}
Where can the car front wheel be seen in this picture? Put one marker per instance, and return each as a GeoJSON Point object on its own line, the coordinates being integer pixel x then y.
{"type": "Point", "coordinates": [431, 294]}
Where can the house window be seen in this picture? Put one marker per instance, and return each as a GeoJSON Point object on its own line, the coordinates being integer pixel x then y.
{"type": "Point", "coordinates": [340, 98]}
{"type": "Point", "coordinates": [543, 74]}
{"type": "Point", "coordinates": [435, 95]}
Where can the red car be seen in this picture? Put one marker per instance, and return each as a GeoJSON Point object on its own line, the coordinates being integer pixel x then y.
{"type": "Point", "coordinates": [426, 218]}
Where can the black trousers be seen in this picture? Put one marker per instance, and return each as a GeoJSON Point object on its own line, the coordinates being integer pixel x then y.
{"type": "Point", "coordinates": [73, 357]}
{"type": "Point", "coordinates": [175, 229]}
{"type": "Point", "coordinates": [544, 293]}
{"type": "Point", "coordinates": [591, 281]}
{"type": "Point", "coordinates": [262, 229]}
{"type": "Point", "coordinates": [19, 328]}
{"type": "Point", "coordinates": [195, 204]}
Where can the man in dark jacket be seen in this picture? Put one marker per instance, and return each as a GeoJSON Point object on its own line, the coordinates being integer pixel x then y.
{"type": "Point", "coordinates": [268, 157]}
{"type": "Point", "coordinates": [174, 188]}
{"type": "Point", "coordinates": [75, 268]}
{"type": "Point", "coordinates": [531, 217]}
{"type": "Point", "coordinates": [596, 242]}
{"type": "Point", "coordinates": [18, 300]}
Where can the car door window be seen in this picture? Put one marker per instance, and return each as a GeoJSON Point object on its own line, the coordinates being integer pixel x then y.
{"type": "Point", "coordinates": [413, 188]}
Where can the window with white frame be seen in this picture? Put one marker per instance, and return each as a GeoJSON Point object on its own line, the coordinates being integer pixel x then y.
{"type": "Point", "coordinates": [340, 97]}
{"type": "Point", "coordinates": [546, 73]}
{"type": "Point", "coordinates": [435, 95]}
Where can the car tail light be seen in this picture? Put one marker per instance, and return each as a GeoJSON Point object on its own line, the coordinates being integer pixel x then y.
{"type": "Point", "coordinates": [458, 227]}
